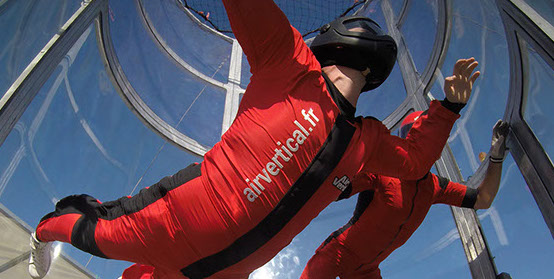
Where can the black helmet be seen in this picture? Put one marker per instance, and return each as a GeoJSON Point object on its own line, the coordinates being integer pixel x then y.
{"type": "Point", "coordinates": [372, 48]}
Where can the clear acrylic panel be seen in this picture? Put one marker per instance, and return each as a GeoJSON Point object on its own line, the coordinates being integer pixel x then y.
{"type": "Point", "coordinates": [245, 72]}
{"type": "Point", "coordinates": [419, 29]}
{"type": "Point", "coordinates": [26, 27]}
{"type": "Point", "coordinates": [78, 136]}
{"type": "Point", "coordinates": [202, 49]}
{"type": "Point", "coordinates": [184, 101]}
{"type": "Point", "coordinates": [537, 111]}
{"type": "Point", "coordinates": [374, 11]}
{"type": "Point", "coordinates": [477, 33]}
{"type": "Point", "coordinates": [436, 243]}
{"type": "Point", "coordinates": [383, 100]}
{"type": "Point", "coordinates": [397, 6]}
{"type": "Point", "coordinates": [517, 235]}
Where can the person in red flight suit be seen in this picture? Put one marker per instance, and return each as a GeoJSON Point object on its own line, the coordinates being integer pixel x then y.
{"type": "Point", "coordinates": [273, 170]}
{"type": "Point", "coordinates": [389, 213]}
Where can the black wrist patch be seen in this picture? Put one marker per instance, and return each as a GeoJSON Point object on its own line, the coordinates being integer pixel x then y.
{"type": "Point", "coordinates": [453, 107]}
{"type": "Point", "coordinates": [470, 198]}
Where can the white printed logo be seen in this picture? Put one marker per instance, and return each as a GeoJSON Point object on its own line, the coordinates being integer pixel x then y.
{"type": "Point", "coordinates": [284, 151]}
{"type": "Point", "coordinates": [341, 183]}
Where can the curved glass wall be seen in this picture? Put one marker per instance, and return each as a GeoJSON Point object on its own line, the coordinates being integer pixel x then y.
{"type": "Point", "coordinates": [538, 99]}
{"type": "Point", "coordinates": [480, 34]}
{"type": "Point", "coordinates": [179, 97]}
{"type": "Point", "coordinates": [203, 50]}
{"type": "Point", "coordinates": [517, 235]}
{"type": "Point", "coordinates": [436, 242]}
{"type": "Point", "coordinates": [383, 100]}
{"type": "Point", "coordinates": [78, 136]}
{"type": "Point", "coordinates": [245, 72]}
{"type": "Point", "coordinates": [397, 6]}
{"type": "Point", "coordinates": [26, 27]}
{"type": "Point", "coordinates": [419, 29]}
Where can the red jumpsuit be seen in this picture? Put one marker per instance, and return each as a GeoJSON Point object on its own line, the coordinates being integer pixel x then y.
{"type": "Point", "coordinates": [272, 172]}
{"type": "Point", "coordinates": [384, 219]}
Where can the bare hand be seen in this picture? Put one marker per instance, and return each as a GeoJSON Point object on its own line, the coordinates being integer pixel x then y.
{"type": "Point", "coordinates": [499, 134]}
{"type": "Point", "coordinates": [458, 86]}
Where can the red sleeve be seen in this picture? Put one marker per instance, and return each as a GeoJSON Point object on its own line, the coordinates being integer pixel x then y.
{"type": "Point", "coordinates": [363, 182]}
{"type": "Point", "coordinates": [263, 32]}
{"type": "Point", "coordinates": [409, 158]}
{"type": "Point", "coordinates": [453, 193]}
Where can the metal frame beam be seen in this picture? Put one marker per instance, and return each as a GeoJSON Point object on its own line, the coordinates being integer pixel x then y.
{"type": "Point", "coordinates": [524, 26]}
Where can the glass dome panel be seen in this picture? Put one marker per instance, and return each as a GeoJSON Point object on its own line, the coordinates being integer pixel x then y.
{"type": "Point", "coordinates": [419, 30]}
{"type": "Point", "coordinates": [517, 235]}
{"type": "Point", "coordinates": [383, 100]}
{"type": "Point", "coordinates": [183, 100]}
{"type": "Point", "coordinates": [538, 102]}
{"type": "Point", "coordinates": [478, 34]}
{"type": "Point", "coordinates": [26, 27]}
{"type": "Point", "coordinates": [204, 50]}
{"type": "Point", "coordinates": [397, 6]}
{"type": "Point", "coordinates": [78, 136]}
{"type": "Point", "coordinates": [436, 242]}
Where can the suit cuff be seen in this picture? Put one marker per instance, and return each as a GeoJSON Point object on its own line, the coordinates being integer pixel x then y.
{"type": "Point", "coordinates": [453, 107]}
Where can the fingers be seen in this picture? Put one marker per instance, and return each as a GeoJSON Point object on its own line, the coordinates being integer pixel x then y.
{"type": "Point", "coordinates": [504, 128]}
{"type": "Point", "coordinates": [461, 65]}
{"type": "Point", "coordinates": [497, 124]}
{"type": "Point", "coordinates": [496, 128]}
{"type": "Point", "coordinates": [499, 135]}
{"type": "Point", "coordinates": [458, 86]}
{"type": "Point", "coordinates": [470, 67]}
{"type": "Point", "coordinates": [474, 77]}
{"type": "Point", "coordinates": [501, 128]}
{"type": "Point", "coordinates": [448, 84]}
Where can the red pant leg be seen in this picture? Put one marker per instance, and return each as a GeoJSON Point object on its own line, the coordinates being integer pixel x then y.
{"type": "Point", "coordinates": [321, 266]}
{"type": "Point", "coordinates": [73, 222]}
{"type": "Point", "coordinates": [138, 271]}
{"type": "Point", "coordinates": [126, 229]}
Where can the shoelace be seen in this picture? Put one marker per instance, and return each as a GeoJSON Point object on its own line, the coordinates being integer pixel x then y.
{"type": "Point", "coordinates": [35, 253]}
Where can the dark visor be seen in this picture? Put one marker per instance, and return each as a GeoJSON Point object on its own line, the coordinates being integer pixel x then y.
{"type": "Point", "coordinates": [366, 24]}
{"type": "Point", "coordinates": [403, 131]}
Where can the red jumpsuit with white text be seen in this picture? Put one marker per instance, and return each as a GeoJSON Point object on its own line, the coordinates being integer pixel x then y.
{"type": "Point", "coordinates": [384, 219]}
{"type": "Point", "coordinates": [268, 177]}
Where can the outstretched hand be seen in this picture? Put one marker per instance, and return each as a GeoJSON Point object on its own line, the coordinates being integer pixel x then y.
{"type": "Point", "coordinates": [458, 86]}
{"type": "Point", "coordinates": [498, 145]}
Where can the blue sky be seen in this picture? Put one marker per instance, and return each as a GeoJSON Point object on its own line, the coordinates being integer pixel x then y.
{"type": "Point", "coordinates": [78, 136]}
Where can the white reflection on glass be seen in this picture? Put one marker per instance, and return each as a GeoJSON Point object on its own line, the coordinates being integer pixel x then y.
{"type": "Point", "coordinates": [57, 250]}
{"type": "Point", "coordinates": [497, 224]}
{"type": "Point", "coordinates": [285, 265]}
{"type": "Point", "coordinates": [440, 244]}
